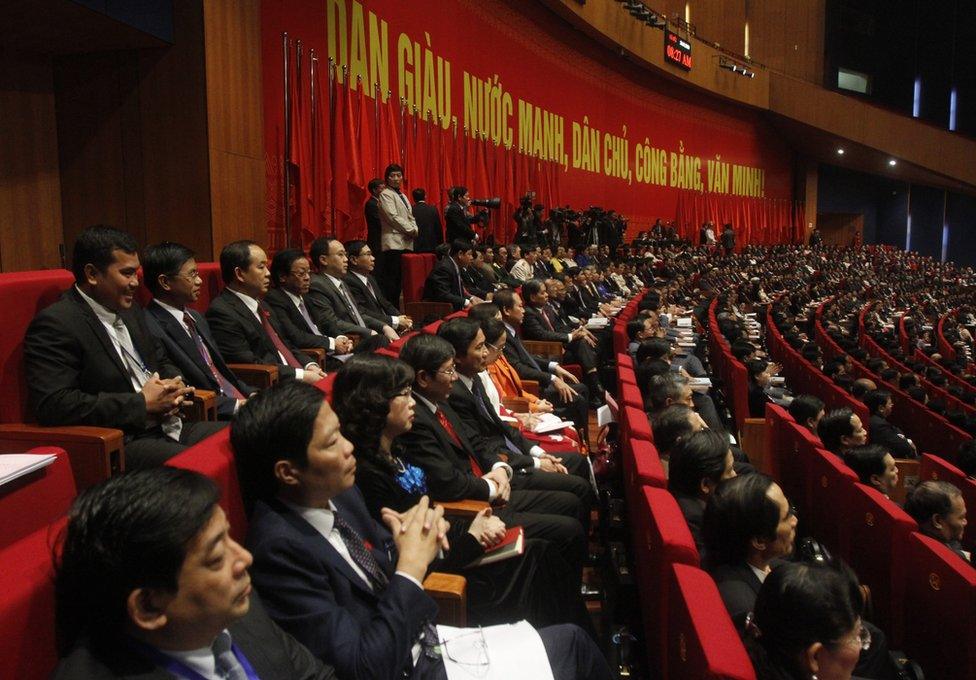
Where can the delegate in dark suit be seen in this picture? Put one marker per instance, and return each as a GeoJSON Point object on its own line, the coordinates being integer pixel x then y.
{"type": "Point", "coordinates": [77, 377]}
{"type": "Point", "coordinates": [371, 303]}
{"type": "Point", "coordinates": [324, 292]}
{"type": "Point", "coordinates": [429, 224]}
{"type": "Point", "coordinates": [530, 368]}
{"type": "Point", "coordinates": [274, 654]}
{"type": "Point", "coordinates": [535, 327]}
{"type": "Point", "coordinates": [322, 308]}
{"type": "Point", "coordinates": [444, 284]}
{"type": "Point", "coordinates": [297, 332]}
{"type": "Point", "coordinates": [544, 514]}
{"type": "Point", "coordinates": [241, 337]}
{"type": "Point", "coordinates": [459, 223]}
{"type": "Point", "coordinates": [883, 433]}
{"type": "Point", "coordinates": [183, 352]}
{"type": "Point", "coordinates": [313, 593]}
{"type": "Point", "coordinates": [371, 211]}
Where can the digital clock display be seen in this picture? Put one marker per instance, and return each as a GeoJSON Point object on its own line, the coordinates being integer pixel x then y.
{"type": "Point", "coordinates": [677, 50]}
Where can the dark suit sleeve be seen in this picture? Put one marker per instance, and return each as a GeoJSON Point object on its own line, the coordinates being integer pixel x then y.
{"type": "Point", "coordinates": [53, 359]}
{"type": "Point", "coordinates": [439, 287]}
{"type": "Point", "coordinates": [232, 339]}
{"type": "Point", "coordinates": [300, 596]}
{"type": "Point", "coordinates": [738, 596]}
{"type": "Point", "coordinates": [526, 370]}
{"type": "Point", "coordinates": [885, 434]}
{"type": "Point", "coordinates": [445, 481]}
{"type": "Point", "coordinates": [320, 307]}
{"type": "Point", "coordinates": [458, 225]}
{"type": "Point", "coordinates": [294, 334]}
{"type": "Point", "coordinates": [288, 656]}
{"type": "Point", "coordinates": [534, 328]}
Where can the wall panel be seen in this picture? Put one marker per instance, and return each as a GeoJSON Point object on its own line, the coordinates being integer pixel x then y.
{"type": "Point", "coordinates": [30, 192]}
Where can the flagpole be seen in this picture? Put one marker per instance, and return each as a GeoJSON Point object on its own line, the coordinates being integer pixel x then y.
{"type": "Point", "coordinates": [377, 95]}
{"type": "Point", "coordinates": [313, 166]}
{"type": "Point", "coordinates": [332, 108]}
{"type": "Point", "coordinates": [287, 108]}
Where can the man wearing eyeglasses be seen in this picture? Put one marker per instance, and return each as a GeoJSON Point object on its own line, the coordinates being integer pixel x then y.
{"type": "Point", "coordinates": [171, 275]}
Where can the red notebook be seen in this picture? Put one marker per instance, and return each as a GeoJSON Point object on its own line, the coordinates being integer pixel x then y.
{"type": "Point", "coordinates": [512, 545]}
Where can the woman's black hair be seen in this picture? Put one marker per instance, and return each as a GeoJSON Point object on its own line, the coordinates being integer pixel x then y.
{"type": "Point", "coordinates": [361, 396]}
{"type": "Point", "coordinates": [800, 604]}
{"type": "Point", "coordinates": [131, 531]}
{"type": "Point", "coordinates": [493, 329]}
{"type": "Point", "coordinates": [736, 512]}
{"type": "Point", "coordinates": [699, 456]}
{"type": "Point", "coordinates": [755, 367]}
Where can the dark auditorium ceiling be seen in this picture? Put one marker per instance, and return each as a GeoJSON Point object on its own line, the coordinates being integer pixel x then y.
{"type": "Point", "coordinates": [59, 27]}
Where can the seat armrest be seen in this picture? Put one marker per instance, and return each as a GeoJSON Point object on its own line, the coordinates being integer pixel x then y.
{"type": "Point", "coordinates": [531, 386]}
{"type": "Point", "coordinates": [420, 312]}
{"type": "Point", "coordinates": [517, 404]}
{"type": "Point", "coordinates": [908, 477]}
{"type": "Point", "coordinates": [449, 591]}
{"type": "Point", "coordinates": [201, 406]}
{"type": "Point", "coordinates": [316, 353]}
{"type": "Point", "coordinates": [95, 453]}
{"type": "Point", "coordinates": [466, 508]}
{"type": "Point", "coordinates": [549, 349]}
{"type": "Point", "coordinates": [259, 375]}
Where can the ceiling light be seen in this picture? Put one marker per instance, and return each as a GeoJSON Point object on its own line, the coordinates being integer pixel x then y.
{"type": "Point", "coordinates": [892, 162]}
{"type": "Point", "coordinates": [840, 152]}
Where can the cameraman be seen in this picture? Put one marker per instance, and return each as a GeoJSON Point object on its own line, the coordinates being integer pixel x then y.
{"type": "Point", "coordinates": [456, 216]}
{"type": "Point", "coordinates": [525, 228]}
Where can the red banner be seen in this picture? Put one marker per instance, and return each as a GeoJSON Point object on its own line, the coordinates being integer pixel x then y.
{"type": "Point", "coordinates": [505, 97]}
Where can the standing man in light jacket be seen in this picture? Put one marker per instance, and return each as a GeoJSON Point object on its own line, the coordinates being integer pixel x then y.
{"type": "Point", "coordinates": [399, 229]}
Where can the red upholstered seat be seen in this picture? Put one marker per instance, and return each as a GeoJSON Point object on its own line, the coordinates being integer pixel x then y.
{"type": "Point", "coordinates": [648, 469]}
{"type": "Point", "coordinates": [878, 533]}
{"type": "Point", "coordinates": [638, 426]}
{"type": "Point", "coordinates": [933, 467]}
{"type": "Point", "coordinates": [631, 395]}
{"type": "Point", "coordinates": [212, 285]}
{"type": "Point", "coordinates": [702, 641]}
{"type": "Point", "coordinates": [37, 499]}
{"type": "Point", "coordinates": [624, 361]}
{"type": "Point", "coordinates": [22, 296]}
{"type": "Point", "coordinates": [214, 458]}
{"type": "Point", "coordinates": [778, 438]}
{"type": "Point", "coordinates": [28, 648]}
{"type": "Point", "coordinates": [940, 607]}
{"type": "Point", "coordinates": [801, 443]}
{"type": "Point", "coordinates": [415, 268]}
{"type": "Point", "coordinates": [828, 487]}
{"type": "Point", "coordinates": [660, 538]}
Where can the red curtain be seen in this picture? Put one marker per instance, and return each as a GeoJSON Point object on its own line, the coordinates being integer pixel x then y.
{"type": "Point", "coordinates": [755, 220]}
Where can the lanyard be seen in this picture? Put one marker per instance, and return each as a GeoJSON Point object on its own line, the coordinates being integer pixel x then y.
{"type": "Point", "coordinates": [181, 670]}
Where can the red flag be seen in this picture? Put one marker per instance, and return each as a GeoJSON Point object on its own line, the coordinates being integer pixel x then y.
{"type": "Point", "coordinates": [417, 170]}
{"type": "Point", "coordinates": [321, 166]}
{"type": "Point", "coordinates": [389, 150]}
{"type": "Point", "coordinates": [435, 162]}
{"type": "Point", "coordinates": [449, 149]}
{"type": "Point", "coordinates": [299, 150]}
{"type": "Point", "coordinates": [340, 154]}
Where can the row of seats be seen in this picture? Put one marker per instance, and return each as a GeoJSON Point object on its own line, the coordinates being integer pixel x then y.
{"type": "Point", "coordinates": [923, 425]}
{"type": "Point", "coordinates": [923, 595]}
{"type": "Point", "coordinates": [688, 632]}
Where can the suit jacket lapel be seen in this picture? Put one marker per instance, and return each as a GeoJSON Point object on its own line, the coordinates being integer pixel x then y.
{"type": "Point", "coordinates": [174, 329]}
{"type": "Point", "coordinates": [99, 330]}
{"type": "Point", "coordinates": [318, 545]}
{"type": "Point", "coordinates": [242, 311]}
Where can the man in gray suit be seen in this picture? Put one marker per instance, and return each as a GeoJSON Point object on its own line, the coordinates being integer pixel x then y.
{"type": "Point", "coordinates": [399, 229]}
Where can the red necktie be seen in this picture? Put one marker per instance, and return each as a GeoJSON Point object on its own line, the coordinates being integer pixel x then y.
{"type": "Point", "coordinates": [276, 340]}
{"type": "Point", "coordinates": [446, 424]}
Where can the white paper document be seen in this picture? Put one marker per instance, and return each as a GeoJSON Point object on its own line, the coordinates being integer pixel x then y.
{"type": "Point", "coordinates": [550, 423]}
{"type": "Point", "coordinates": [14, 465]}
{"type": "Point", "coordinates": [505, 652]}
{"type": "Point", "coordinates": [683, 322]}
